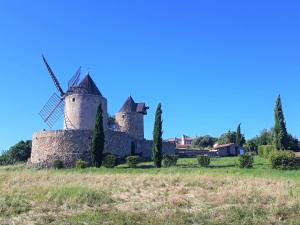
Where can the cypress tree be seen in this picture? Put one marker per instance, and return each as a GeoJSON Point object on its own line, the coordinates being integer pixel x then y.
{"type": "Point", "coordinates": [239, 138]}
{"type": "Point", "coordinates": [280, 135]}
{"type": "Point", "coordinates": [157, 138]}
{"type": "Point", "coordinates": [98, 139]}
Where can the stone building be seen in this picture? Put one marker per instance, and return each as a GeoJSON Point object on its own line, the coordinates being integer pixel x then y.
{"type": "Point", "coordinates": [74, 141]}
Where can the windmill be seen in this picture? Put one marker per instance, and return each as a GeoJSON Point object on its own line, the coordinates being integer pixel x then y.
{"type": "Point", "coordinates": [54, 108]}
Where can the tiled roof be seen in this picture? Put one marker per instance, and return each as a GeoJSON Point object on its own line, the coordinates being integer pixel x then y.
{"type": "Point", "coordinates": [131, 106]}
{"type": "Point", "coordinates": [88, 86]}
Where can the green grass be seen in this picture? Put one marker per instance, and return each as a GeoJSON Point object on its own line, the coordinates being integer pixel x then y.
{"type": "Point", "coordinates": [185, 194]}
{"type": "Point", "coordinates": [218, 167]}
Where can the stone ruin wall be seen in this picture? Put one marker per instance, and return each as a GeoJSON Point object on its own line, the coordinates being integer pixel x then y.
{"type": "Point", "coordinates": [131, 123]}
{"type": "Point", "coordinates": [65, 145]}
{"type": "Point", "coordinates": [72, 145]}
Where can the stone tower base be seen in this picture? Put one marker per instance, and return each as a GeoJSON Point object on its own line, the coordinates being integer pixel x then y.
{"type": "Point", "coordinates": [72, 145]}
{"type": "Point", "coordinates": [65, 145]}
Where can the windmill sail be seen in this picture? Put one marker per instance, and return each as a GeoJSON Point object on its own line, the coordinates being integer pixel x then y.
{"type": "Point", "coordinates": [74, 80]}
{"type": "Point", "coordinates": [53, 110]}
{"type": "Point", "coordinates": [53, 77]}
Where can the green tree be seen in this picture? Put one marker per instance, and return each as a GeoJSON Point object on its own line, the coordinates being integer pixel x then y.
{"type": "Point", "coordinates": [157, 138]}
{"type": "Point", "coordinates": [98, 140]}
{"type": "Point", "coordinates": [20, 152]}
{"type": "Point", "coordinates": [227, 138]}
{"type": "Point", "coordinates": [280, 134]}
{"type": "Point", "coordinates": [204, 141]}
{"type": "Point", "coordinates": [240, 139]}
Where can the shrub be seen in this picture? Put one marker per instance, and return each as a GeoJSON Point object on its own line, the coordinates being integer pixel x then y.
{"type": "Point", "coordinates": [265, 150]}
{"type": "Point", "coordinates": [283, 160]}
{"type": "Point", "coordinates": [170, 160]}
{"type": "Point", "coordinates": [245, 161]}
{"type": "Point", "coordinates": [58, 164]}
{"type": "Point", "coordinates": [109, 161]}
{"type": "Point", "coordinates": [20, 152]}
{"type": "Point", "coordinates": [80, 164]}
{"type": "Point", "coordinates": [132, 161]}
{"type": "Point", "coordinates": [203, 160]}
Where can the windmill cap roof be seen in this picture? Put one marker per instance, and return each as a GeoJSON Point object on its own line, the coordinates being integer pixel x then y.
{"type": "Point", "coordinates": [89, 86]}
{"type": "Point", "coordinates": [131, 106]}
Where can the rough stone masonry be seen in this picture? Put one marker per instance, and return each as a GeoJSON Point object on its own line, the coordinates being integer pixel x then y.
{"type": "Point", "coordinates": [126, 137]}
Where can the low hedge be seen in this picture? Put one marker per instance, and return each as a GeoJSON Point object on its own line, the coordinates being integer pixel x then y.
{"type": "Point", "coordinates": [245, 161]}
{"type": "Point", "coordinates": [81, 164]}
{"type": "Point", "coordinates": [58, 164]}
{"type": "Point", "coordinates": [203, 160]}
{"type": "Point", "coordinates": [284, 160]}
{"type": "Point", "coordinates": [132, 161]}
{"type": "Point", "coordinates": [265, 150]}
{"type": "Point", "coordinates": [169, 160]}
{"type": "Point", "coordinates": [109, 161]}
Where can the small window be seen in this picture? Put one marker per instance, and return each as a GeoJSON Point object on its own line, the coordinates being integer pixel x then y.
{"type": "Point", "coordinates": [73, 99]}
{"type": "Point", "coordinates": [123, 116]}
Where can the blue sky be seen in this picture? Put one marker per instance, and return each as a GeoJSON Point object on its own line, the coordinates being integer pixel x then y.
{"type": "Point", "coordinates": [212, 64]}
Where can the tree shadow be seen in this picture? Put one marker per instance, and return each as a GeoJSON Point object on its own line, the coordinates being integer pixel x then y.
{"type": "Point", "coordinates": [197, 166]}
{"type": "Point", "coordinates": [222, 166]}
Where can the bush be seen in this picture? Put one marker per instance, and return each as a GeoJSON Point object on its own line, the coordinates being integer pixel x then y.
{"type": "Point", "coordinates": [58, 164]}
{"type": "Point", "coordinates": [80, 164]}
{"type": "Point", "coordinates": [20, 152]}
{"type": "Point", "coordinates": [283, 160]}
{"type": "Point", "coordinates": [203, 160]}
{"type": "Point", "coordinates": [245, 161]}
{"type": "Point", "coordinates": [265, 150]}
{"type": "Point", "coordinates": [109, 161]}
{"type": "Point", "coordinates": [132, 161]}
{"type": "Point", "coordinates": [169, 160]}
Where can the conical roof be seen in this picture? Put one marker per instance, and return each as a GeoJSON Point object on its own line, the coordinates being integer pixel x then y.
{"type": "Point", "coordinates": [88, 86]}
{"type": "Point", "coordinates": [131, 106]}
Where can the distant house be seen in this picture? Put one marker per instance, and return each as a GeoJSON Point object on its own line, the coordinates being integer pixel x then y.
{"type": "Point", "coordinates": [182, 143]}
{"type": "Point", "coordinates": [227, 149]}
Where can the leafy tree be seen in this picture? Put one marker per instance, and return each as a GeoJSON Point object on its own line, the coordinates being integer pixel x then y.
{"type": "Point", "coordinates": [280, 131]}
{"type": "Point", "coordinates": [157, 138]}
{"type": "Point", "coordinates": [230, 137]}
{"type": "Point", "coordinates": [204, 141]}
{"type": "Point", "coordinates": [266, 138]}
{"type": "Point", "coordinates": [20, 152]}
{"type": "Point", "coordinates": [226, 138]}
{"type": "Point", "coordinates": [98, 140]}
{"type": "Point", "coordinates": [251, 146]}
{"type": "Point", "coordinates": [240, 139]}
{"type": "Point", "coordinates": [293, 143]}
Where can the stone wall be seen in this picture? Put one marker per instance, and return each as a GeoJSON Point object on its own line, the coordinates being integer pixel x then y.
{"type": "Point", "coordinates": [117, 143]}
{"type": "Point", "coordinates": [146, 148]}
{"type": "Point", "coordinates": [72, 145]}
{"type": "Point", "coordinates": [131, 123]}
{"type": "Point", "coordinates": [65, 145]}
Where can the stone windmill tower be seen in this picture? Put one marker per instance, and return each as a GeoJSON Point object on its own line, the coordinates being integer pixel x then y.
{"type": "Point", "coordinates": [130, 118]}
{"type": "Point", "coordinates": [78, 104]}
{"type": "Point", "coordinates": [81, 106]}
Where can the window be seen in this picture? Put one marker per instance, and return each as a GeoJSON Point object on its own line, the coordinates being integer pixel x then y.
{"type": "Point", "coordinates": [73, 99]}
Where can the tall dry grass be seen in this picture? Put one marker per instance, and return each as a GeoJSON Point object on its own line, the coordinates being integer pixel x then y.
{"type": "Point", "coordinates": [53, 197]}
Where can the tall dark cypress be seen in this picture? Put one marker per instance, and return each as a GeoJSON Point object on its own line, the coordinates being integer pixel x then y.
{"type": "Point", "coordinates": [239, 136]}
{"type": "Point", "coordinates": [157, 138]}
{"type": "Point", "coordinates": [98, 140]}
{"type": "Point", "coordinates": [280, 135]}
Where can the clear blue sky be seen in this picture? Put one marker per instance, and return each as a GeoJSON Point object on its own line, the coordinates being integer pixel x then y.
{"type": "Point", "coordinates": [212, 64]}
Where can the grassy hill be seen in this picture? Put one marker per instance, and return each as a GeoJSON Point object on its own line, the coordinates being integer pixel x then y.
{"type": "Point", "coordinates": [185, 194]}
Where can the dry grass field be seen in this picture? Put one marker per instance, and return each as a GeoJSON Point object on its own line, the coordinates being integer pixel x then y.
{"type": "Point", "coordinates": [179, 195]}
